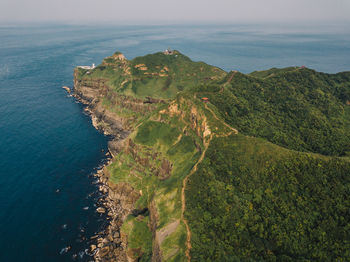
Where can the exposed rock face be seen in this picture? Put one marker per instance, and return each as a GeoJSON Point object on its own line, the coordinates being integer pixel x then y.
{"type": "Point", "coordinates": [67, 89]}
{"type": "Point", "coordinates": [100, 210]}
{"type": "Point", "coordinates": [156, 253]}
{"type": "Point", "coordinates": [119, 57]}
{"type": "Point", "coordinates": [120, 202]}
{"type": "Point", "coordinates": [119, 198]}
{"type": "Point", "coordinates": [90, 93]}
{"type": "Point", "coordinates": [159, 166]}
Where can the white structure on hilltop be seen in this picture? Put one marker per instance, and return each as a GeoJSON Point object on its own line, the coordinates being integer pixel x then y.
{"type": "Point", "coordinates": [87, 67]}
{"type": "Point", "coordinates": [168, 52]}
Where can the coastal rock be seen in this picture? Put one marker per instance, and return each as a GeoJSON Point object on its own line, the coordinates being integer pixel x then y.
{"type": "Point", "coordinates": [99, 240]}
{"type": "Point", "coordinates": [101, 210]}
{"type": "Point", "coordinates": [92, 247]}
{"type": "Point", "coordinates": [117, 200]}
{"type": "Point", "coordinates": [104, 251]}
{"type": "Point", "coordinates": [67, 89]}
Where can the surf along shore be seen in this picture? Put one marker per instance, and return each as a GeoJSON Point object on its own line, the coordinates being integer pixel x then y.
{"type": "Point", "coordinates": [113, 201]}
{"type": "Point", "coordinates": [117, 200]}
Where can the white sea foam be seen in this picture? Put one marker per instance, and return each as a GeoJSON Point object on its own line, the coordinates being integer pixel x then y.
{"type": "Point", "coordinates": [4, 71]}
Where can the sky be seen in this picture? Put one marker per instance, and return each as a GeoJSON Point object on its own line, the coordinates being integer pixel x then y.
{"type": "Point", "coordinates": [177, 11]}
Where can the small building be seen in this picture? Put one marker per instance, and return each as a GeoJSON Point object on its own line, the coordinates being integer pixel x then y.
{"type": "Point", "coordinates": [168, 52]}
{"type": "Point", "coordinates": [205, 99]}
{"type": "Point", "coordinates": [87, 67]}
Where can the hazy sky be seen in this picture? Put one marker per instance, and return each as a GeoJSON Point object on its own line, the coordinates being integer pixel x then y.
{"type": "Point", "coordinates": [156, 11]}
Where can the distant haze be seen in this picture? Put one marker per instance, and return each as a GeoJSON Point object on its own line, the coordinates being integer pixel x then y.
{"type": "Point", "coordinates": [179, 11]}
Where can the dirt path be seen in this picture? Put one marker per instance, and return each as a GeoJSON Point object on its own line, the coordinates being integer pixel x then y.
{"type": "Point", "coordinates": [234, 130]}
{"type": "Point", "coordinates": [194, 169]}
{"type": "Point", "coordinates": [166, 231]}
{"type": "Point", "coordinates": [231, 77]}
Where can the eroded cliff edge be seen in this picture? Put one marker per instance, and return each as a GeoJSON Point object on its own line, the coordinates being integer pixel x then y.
{"type": "Point", "coordinates": [186, 128]}
{"type": "Point", "coordinates": [118, 198]}
{"type": "Point", "coordinates": [155, 142]}
{"type": "Point", "coordinates": [183, 184]}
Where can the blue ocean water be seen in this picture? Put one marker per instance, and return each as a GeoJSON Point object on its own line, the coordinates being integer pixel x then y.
{"type": "Point", "coordinates": [47, 143]}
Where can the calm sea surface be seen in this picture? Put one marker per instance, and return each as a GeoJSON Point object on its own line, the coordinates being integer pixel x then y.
{"type": "Point", "coordinates": [48, 144]}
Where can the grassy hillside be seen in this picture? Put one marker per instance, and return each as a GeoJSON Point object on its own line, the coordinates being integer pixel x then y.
{"type": "Point", "coordinates": [273, 72]}
{"type": "Point", "coordinates": [249, 199]}
{"type": "Point", "coordinates": [299, 109]}
{"type": "Point", "coordinates": [158, 156]}
{"type": "Point", "coordinates": [276, 191]}
{"type": "Point", "coordinates": [156, 75]}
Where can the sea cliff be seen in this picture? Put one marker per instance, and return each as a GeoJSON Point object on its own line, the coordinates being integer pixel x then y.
{"type": "Point", "coordinates": [210, 165]}
{"type": "Point", "coordinates": [118, 199]}
{"type": "Point", "coordinates": [125, 117]}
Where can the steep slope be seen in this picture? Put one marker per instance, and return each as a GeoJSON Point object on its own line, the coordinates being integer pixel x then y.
{"type": "Point", "coordinates": [157, 158]}
{"type": "Point", "coordinates": [299, 109]}
{"type": "Point", "coordinates": [156, 75]}
{"type": "Point", "coordinates": [273, 72]}
{"type": "Point", "coordinates": [251, 200]}
{"type": "Point", "coordinates": [120, 92]}
{"type": "Point", "coordinates": [188, 183]}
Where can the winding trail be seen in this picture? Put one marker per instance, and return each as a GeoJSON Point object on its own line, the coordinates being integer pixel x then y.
{"type": "Point", "coordinates": [231, 77]}
{"type": "Point", "coordinates": [194, 169]}
{"type": "Point", "coordinates": [233, 130]}
{"type": "Point", "coordinates": [184, 183]}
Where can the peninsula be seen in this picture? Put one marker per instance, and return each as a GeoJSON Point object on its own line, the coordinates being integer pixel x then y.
{"type": "Point", "coordinates": [209, 165]}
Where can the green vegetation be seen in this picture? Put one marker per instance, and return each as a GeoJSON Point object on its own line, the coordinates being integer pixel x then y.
{"type": "Point", "coordinates": [272, 72]}
{"type": "Point", "coordinates": [139, 237]}
{"type": "Point", "coordinates": [300, 109]}
{"type": "Point", "coordinates": [277, 191]}
{"type": "Point", "coordinates": [166, 75]}
{"type": "Point", "coordinates": [151, 132]}
{"type": "Point", "coordinates": [156, 75]}
{"type": "Point", "coordinates": [253, 200]}
{"type": "Point", "coordinates": [155, 161]}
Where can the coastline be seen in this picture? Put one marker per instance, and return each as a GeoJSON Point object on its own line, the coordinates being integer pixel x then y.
{"type": "Point", "coordinates": [116, 200]}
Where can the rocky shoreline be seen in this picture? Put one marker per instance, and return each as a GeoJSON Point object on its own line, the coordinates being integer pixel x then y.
{"type": "Point", "coordinates": [117, 201]}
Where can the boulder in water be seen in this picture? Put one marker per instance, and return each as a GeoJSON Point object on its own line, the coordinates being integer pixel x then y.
{"type": "Point", "coordinates": [67, 89]}
{"type": "Point", "coordinates": [101, 210]}
{"type": "Point", "coordinates": [93, 247]}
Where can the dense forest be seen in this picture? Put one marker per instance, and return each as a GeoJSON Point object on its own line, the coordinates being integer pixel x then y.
{"type": "Point", "coordinates": [276, 190]}
{"type": "Point", "coordinates": [251, 201]}
{"type": "Point", "coordinates": [300, 109]}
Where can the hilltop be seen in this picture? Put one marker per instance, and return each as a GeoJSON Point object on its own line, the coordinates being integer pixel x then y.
{"type": "Point", "coordinates": [297, 108]}
{"type": "Point", "coordinates": [159, 75]}
{"type": "Point", "coordinates": [258, 171]}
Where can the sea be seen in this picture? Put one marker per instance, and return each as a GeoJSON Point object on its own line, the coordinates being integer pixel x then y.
{"type": "Point", "coordinates": [49, 149]}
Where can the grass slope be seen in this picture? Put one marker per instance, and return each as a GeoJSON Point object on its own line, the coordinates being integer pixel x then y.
{"type": "Point", "coordinates": [156, 75]}
{"type": "Point", "coordinates": [250, 199]}
{"type": "Point", "coordinates": [273, 72]}
{"type": "Point", "coordinates": [163, 142]}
